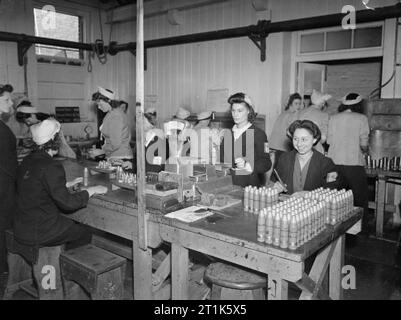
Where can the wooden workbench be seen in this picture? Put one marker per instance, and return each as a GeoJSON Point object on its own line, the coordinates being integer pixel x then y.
{"type": "Point", "coordinates": [231, 239]}
{"type": "Point", "coordinates": [382, 176]}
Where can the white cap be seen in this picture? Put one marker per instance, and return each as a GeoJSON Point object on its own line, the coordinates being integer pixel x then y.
{"type": "Point", "coordinates": [319, 98]}
{"type": "Point", "coordinates": [45, 131]}
{"type": "Point", "coordinates": [182, 113]}
{"type": "Point", "coordinates": [27, 109]}
{"type": "Point", "coordinates": [107, 93]}
{"type": "Point", "coordinates": [346, 102]}
{"type": "Point", "coordinates": [205, 115]}
{"type": "Point", "coordinates": [150, 110]}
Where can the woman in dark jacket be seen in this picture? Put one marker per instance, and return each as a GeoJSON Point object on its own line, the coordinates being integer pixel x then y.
{"type": "Point", "coordinates": [305, 169]}
{"type": "Point", "coordinates": [245, 147]}
{"type": "Point", "coordinates": [8, 170]}
{"type": "Point", "coordinates": [42, 195]}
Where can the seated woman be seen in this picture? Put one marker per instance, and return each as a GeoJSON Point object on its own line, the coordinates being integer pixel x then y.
{"type": "Point", "coordinates": [245, 146]}
{"type": "Point", "coordinates": [305, 169]}
{"type": "Point", "coordinates": [42, 195]}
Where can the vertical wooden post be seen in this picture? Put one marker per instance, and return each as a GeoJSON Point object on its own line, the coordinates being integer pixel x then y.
{"type": "Point", "coordinates": [277, 288]}
{"type": "Point", "coordinates": [142, 272]}
{"type": "Point", "coordinates": [142, 217]}
{"type": "Point", "coordinates": [179, 272]}
{"type": "Point", "coordinates": [380, 204]}
{"type": "Point", "coordinates": [335, 270]}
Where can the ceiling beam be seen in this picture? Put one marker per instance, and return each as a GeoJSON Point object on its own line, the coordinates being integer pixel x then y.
{"type": "Point", "coordinates": [156, 8]}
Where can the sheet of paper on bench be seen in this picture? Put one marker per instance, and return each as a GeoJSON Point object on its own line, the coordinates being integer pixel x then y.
{"type": "Point", "coordinates": [188, 214]}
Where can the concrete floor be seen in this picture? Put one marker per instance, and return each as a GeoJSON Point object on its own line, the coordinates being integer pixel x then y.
{"type": "Point", "coordinates": [377, 264]}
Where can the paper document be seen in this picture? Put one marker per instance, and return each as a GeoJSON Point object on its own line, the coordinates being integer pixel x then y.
{"type": "Point", "coordinates": [189, 214]}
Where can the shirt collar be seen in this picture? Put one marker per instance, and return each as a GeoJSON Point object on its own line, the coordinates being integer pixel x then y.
{"type": "Point", "coordinates": [238, 132]}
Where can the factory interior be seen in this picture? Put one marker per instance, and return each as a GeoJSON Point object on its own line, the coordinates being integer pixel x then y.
{"type": "Point", "coordinates": [200, 150]}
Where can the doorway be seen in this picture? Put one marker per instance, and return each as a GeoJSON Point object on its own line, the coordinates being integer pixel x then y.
{"type": "Point", "coordinates": [339, 77]}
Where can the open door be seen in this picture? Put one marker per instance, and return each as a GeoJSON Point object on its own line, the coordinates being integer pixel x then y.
{"type": "Point", "coordinates": [311, 76]}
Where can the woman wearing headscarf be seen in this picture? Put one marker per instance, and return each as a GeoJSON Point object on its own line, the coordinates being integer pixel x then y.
{"type": "Point", "coordinates": [245, 146]}
{"type": "Point", "coordinates": [304, 168]}
{"type": "Point", "coordinates": [43, 197]}
{"type": "Point", "coordinates": [315, 114]}
{"type": "Point", "coordinates": [8, 171]}
{"type": "Point", "coordinates": [29, 115]}
{"type": "Point", "coordinates": [279, 140]}
{"type": "Point", "coordinates": [349, 140]}
{"type": "Point", "coordinates": [115, 127]}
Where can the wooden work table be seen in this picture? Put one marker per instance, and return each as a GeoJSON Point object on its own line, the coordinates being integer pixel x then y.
{"type": "Point", "coordinates": [383, 177]}
{"type": "Point", "coordinates": [232, 239]}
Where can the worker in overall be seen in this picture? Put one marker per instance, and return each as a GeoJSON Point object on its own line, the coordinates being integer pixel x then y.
{"type": "Point", "coordinates": [245, 146]}
{"type": "Point", "coordinates": [304, 168]}
{"type": "Point", "coordinates": [315, 114]}
{"type": "Point", "coordinates": [115, 128]}
{"type": "Point", "coordinates": [348, 138]}
{"type": "Point", "coordinates": [279, 141]}
{"type": "Point", "coordinates": [8, 172]}
{"type": "Point", "coordinates": [43, 196]}
{"type": "Point", "coordinates": [177, 132]}
{"type": "Point", "coordinates": [29, 115]}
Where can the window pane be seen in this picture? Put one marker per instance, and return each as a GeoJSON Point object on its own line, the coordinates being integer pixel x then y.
{"type": "Point", "coordinates": [312, 42]}
{"type": "Point", "coordinates": [339, 40]}
{"type": "Point", "coordinates": [66, 27]}
{"type": "Point", "coordinates": [368, 37]}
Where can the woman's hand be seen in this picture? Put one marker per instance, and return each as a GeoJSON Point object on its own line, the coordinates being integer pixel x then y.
{"type": "Point", "coordinates": [299, 194]}
{"type": "Point", "coordinates": [96, 190]}
{"type": "Point", "coordinates": [280, 187]}
{"type": "Point", "coordinates": [331, 177]}
{"type": "Point", "coordinates": [72, 183]}
{"type": "Point", "coordinates": [127, 165]}
{"type": "Point", "coordinates": [240, 163]}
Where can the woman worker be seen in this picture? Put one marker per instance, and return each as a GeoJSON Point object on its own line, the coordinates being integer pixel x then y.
{"type": "Point", "coordinates": [29, 115]}
{"type": "Point", "coordinates": [244, 146]}
{"type": "Point", "coordinates": [279, 139]}
{"type": "Point", "coordinates": [42, 195]}
{"type": "Point", "coordinates": [349, 140]}
{"type": "Point", "coordinates": [8, 171]}
{"type": "Point", "coordinates": [115, 127]}
{"type": "Point", "coordinates": [305, 169]}
{"type": "Point", "coordinates": [315, 114]}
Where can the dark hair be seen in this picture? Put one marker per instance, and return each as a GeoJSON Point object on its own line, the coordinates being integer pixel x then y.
{"type": "Point", "coordinates": [307, 96]}
{"type": "Point", "coordinates": [358, 107]}
{"type": "Point", "coordinates": [307, 125]}
{"type": "Point", "coordinates": [6, 88]}
{"type": "Point", "coordinates": [53, 144]}
{"type": "Point", "coordinates": [292, 98]}
{"type": "Point", "coordinates": [151, 118]}
{"type": "Point", "coordinates": [240, 98]}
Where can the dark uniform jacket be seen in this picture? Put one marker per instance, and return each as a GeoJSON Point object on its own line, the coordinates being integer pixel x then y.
{"type": "Point", "coordinates": [319, 167]}
{"type": "Point", "coordinates": [8, 152]}
{"type": "Point", "coordinates": [252, 151]}
{"type": "Point", "coordinates": [42, 197]}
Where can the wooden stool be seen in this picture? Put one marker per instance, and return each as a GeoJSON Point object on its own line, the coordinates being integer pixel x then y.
{"type": "Point", "coordinates": [232, 283]}
{"type": "Point", "coordinates": [30, 266]}
{"type": "Point", "coordinates": [99, 272]}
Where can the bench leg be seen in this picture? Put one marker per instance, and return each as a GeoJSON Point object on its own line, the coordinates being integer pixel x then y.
{"type": "Point", "coordinates": [20, 273]}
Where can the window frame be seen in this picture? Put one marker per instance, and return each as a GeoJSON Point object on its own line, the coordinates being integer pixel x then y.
{"type": "Point", "coordinates": [84, 19]}
{"type": "Point", "coordinates": [326, 30]}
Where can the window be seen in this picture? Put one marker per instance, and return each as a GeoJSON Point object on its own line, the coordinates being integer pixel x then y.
{"type": "Point", "coordinates": [66, 27]}
{"type": "Point", "coordinates": [332, 39]}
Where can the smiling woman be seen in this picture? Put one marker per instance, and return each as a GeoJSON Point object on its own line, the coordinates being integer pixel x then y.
{"type": "Point", "coordinates": [305, 169]}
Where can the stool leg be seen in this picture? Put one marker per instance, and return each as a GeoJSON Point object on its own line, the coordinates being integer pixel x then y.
{"type": "Point", "coordinates": [73, 291]}
{"type": "Point", "coordinates": [216, 292]}
{"type": "Point", "coordinates": [19, 272]}
{"type": "Point", "coordinates": [48, 276]}
{"type": "Point", "coordinates": [109, 286]}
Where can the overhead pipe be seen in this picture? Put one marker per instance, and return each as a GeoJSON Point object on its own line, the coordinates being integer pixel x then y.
{"type": "Point", "coordinates": [257, 33]}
